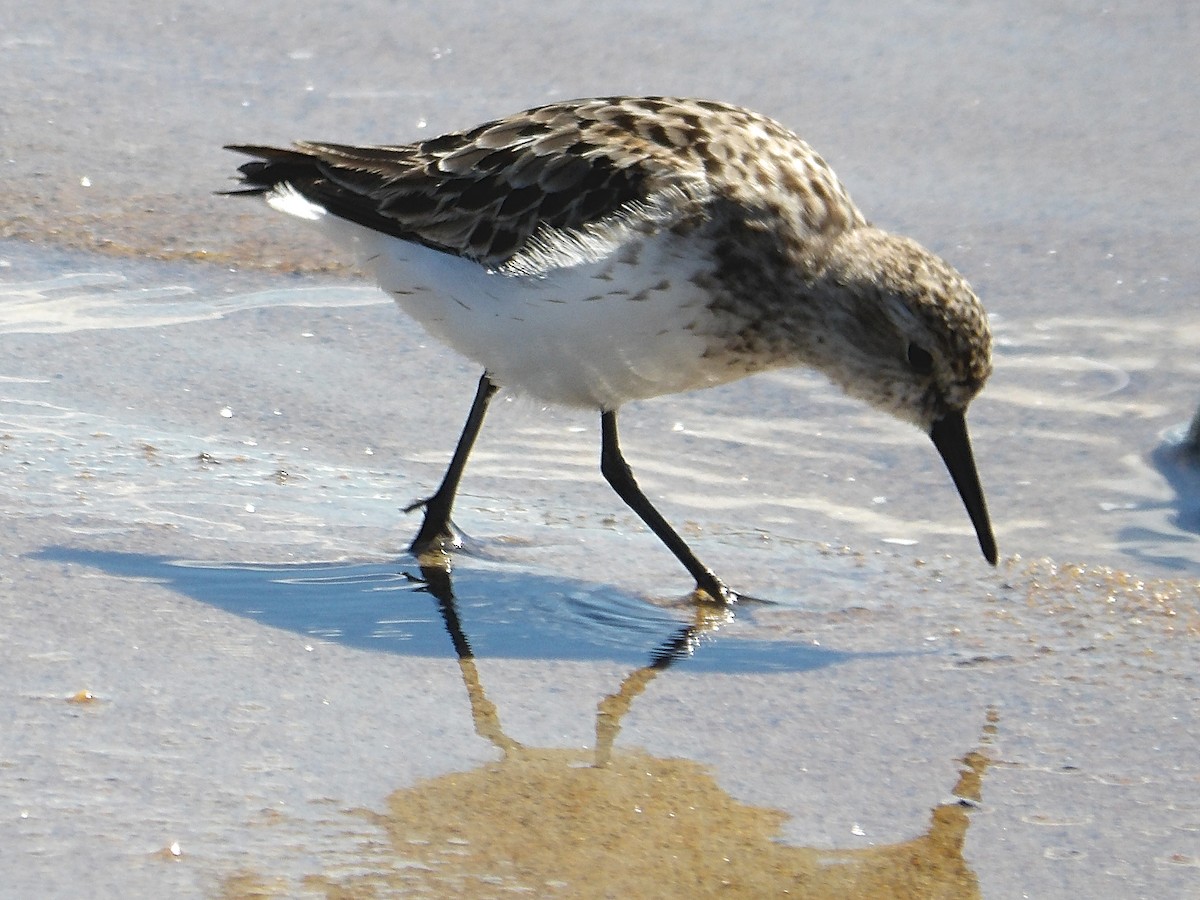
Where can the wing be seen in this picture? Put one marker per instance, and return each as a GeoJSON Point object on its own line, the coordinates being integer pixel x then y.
{"type": "Point", "coordinates": [549, 187]}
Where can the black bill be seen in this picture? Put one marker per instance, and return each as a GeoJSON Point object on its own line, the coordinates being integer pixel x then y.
{"type": "Point", "coordinates": [950, 436]}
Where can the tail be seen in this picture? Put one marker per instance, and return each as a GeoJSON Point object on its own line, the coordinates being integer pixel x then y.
{"type": "Point", "coordinates": [306, 182]}
{"type": "Point", "coordinates": [271, 168]}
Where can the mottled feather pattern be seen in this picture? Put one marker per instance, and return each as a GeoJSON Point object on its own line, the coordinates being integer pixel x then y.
{"type": "Point", "coordinates": [485, 192]}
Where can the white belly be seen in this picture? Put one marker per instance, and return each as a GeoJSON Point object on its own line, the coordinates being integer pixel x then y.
{"type": "Point", "coordinates": [596, 334]}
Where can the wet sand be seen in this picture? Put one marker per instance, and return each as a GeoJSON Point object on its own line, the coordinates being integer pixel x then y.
{"type": "Point", "coordinates": [223, 676]}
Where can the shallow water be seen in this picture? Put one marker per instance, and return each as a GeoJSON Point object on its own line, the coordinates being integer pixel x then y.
{"type": "Point", "coordinates": [1104, 423]}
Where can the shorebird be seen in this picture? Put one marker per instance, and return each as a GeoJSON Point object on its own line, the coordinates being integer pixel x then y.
{"type": "Point", "coordinates": [599, 251]}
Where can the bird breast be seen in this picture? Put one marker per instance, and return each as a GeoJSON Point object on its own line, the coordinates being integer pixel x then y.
{"type": "Point", "coordinates": [633, 325]}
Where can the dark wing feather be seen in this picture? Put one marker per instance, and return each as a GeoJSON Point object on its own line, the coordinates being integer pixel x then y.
{"type": "Point", "coordinates": [524, 194]}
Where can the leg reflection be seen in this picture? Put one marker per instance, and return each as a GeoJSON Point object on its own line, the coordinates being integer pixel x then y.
{"type": "Point", "coordinates": [707, 618]}
{"type": "Point", "coordinates": [483, 711]}
{"type": "Point", "coordinates": [682, 644]}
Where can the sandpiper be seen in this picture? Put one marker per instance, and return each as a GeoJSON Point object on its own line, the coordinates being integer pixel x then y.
{"type": "Point", "coordinates": [598, 251]}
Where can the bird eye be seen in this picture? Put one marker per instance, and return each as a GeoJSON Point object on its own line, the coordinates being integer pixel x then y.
{"type": "Point", "coordinates": [920, 359]}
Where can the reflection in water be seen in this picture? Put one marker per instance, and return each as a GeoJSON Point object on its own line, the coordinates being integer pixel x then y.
{"type": "Point", "coordinates": [607, 821]}
{"type": "Point", "coordinates": [619, 822]}
{"type": "Point", "coordinates": [680, 645]}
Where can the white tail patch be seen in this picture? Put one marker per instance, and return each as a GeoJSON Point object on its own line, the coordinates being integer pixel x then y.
{"type": "Point", "coordinates": [287, 199]}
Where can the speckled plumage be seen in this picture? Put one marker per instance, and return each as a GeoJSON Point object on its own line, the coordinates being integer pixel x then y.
{"type": "Point", "coordinates": [597, 251]}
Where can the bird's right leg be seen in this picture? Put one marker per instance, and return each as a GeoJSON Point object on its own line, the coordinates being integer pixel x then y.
{"type": "Point", "coordinates": [617, 473]}
{"type": "Point", "coordinates": [437, 531]}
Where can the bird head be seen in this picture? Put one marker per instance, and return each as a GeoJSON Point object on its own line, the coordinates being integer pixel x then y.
{"type": "Point", "coordinates": [912, 340]}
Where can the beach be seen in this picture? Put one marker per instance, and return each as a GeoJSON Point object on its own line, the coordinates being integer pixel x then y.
{"type": "Point", "coordinates": [224, 676]}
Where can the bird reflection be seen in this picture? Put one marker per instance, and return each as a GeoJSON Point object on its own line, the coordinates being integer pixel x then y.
{"type": "Point", "coordinates": [682, 644]}
{"type": "Point", "coordinates": [544, 815]}
{"type": "Point", "coordinates": [560, 816]}
{"type": "Point", "coordinates": [436, 581]}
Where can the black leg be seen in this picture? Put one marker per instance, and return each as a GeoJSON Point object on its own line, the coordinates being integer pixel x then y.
{"type": "Point", "coordinates": [617, 473]}
{"type": "Point", "coordinates": [437, 532]}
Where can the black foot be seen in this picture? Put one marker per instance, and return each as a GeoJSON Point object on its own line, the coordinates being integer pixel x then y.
{"type": "Point", "coordinates": [445, 541]}
{"type": "Point", "coordinates": [437, 534]}
{"type": "Point", "coordinates": [711, 589]}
